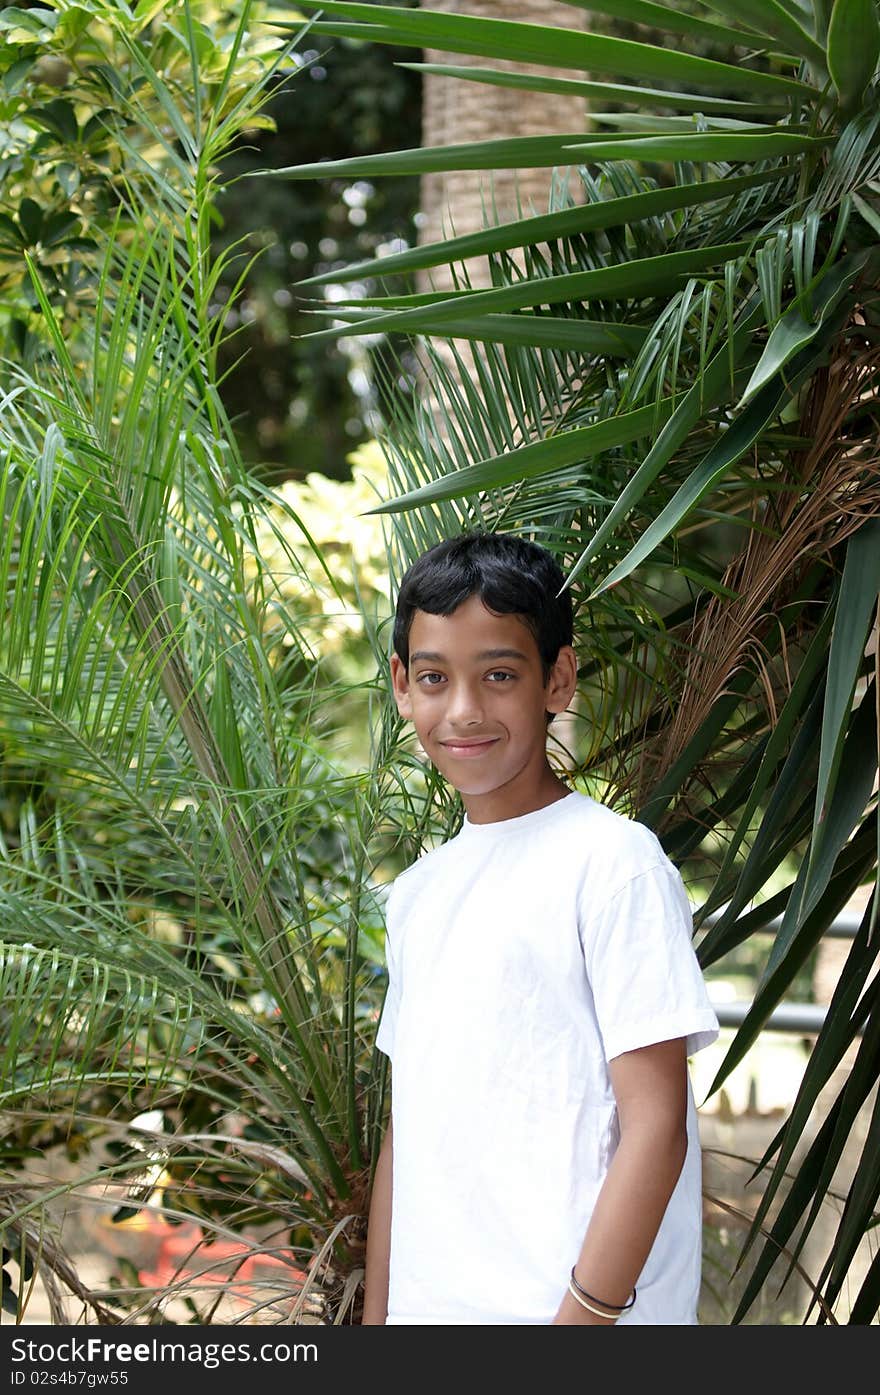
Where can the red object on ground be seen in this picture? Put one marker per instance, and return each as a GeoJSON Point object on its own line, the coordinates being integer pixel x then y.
{"type": "Point", "coordinates": [183, 1253]}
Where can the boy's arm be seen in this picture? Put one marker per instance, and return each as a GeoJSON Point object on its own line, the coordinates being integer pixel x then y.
{"type": "Point", "coordinates": [650, 1086]}
{"type": "Point", "coordinates": [379, 1239]}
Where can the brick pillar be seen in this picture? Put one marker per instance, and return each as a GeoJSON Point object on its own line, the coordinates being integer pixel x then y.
{"type": "Point", "coordinates": [455, 112]}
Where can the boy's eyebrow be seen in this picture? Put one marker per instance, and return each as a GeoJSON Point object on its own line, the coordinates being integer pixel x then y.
{"type": "Point", "coordinates": [431, 657]}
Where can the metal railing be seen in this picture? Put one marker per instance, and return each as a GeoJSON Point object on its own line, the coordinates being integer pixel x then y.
{"type": "Point", "coordinates": [801, 1018]}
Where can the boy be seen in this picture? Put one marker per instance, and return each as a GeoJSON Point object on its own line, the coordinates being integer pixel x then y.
{"type": "Point", "coordinates": [542, 1164]}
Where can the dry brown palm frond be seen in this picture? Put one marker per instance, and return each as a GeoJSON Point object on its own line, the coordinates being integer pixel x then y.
{"type": "Point", "coordinates": [824, 495]}
{"type": "Point", "coordinates": [323, 1284]}
{"type": "Point", "coordinates": [798, 1268]}
{"type": "Point", "coordinates": [56, 1270]}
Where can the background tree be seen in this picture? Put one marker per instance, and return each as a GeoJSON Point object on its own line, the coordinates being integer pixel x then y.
{"type": "Point", "coordinates": [299, 407]}
{"type": "Point", "coordinates": [62, 108]}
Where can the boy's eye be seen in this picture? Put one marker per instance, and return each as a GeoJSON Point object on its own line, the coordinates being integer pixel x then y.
{"type": "Point", "coordinates": [500, 675]}
{"type": "Point", "coordinates": [428, 679]}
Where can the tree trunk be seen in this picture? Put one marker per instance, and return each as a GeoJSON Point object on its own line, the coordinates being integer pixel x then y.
{"type": "Point", "coordinates": [454, 112]}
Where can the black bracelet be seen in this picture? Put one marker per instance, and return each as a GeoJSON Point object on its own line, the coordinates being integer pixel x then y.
{"type": "Point", "coordinates": [618, 1307]}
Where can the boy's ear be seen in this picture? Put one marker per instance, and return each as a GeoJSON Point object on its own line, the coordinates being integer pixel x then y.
{"type": "Point", "coordinates": [562, 682]}
{"type": "Point", "coordinates": [400, 686]}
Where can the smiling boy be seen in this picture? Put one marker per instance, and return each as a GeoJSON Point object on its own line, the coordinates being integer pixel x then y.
{"type": "Point", "coordinates": [542, 1163]}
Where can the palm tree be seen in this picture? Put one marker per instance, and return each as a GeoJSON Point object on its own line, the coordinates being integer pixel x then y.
{"type": "Point", "coordinates": [190, 925]}
{"type": "Point", "coordinates": [689, 364]}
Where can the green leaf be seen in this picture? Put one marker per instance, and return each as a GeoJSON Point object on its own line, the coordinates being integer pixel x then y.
{"type": "Point", "coordinates": [542, 44]}
{"type": "Point", "coordinates": [56, 228]}
{"type": "Point", "coordinates": [59, 117]}
{"type": "Point", "coordinates": [10, 233]}
{"type": "Point", "coordinates": [620, 282]}
{"type": "Point", "coordinates": [712, 387]}
{"type": "Point", "coordinates": [796, 329]}
{"type": "Point", "coordinates": [815, 1174]}
{"type": "Point", "coordinates": [858, 1214]}
{"type": "Point", "coordinates": [35, 21]}
{"type": "Point", "coordinates": [728, 449]}
{"type": "Point", "coordinates": [811, 1180]}
{"type": "Point", "coordinates": [698, 147]}
{"type": "Point", "coordinates": [822, 16]}
{"type": "Point", "coordinates": [604, 91]}
{"type": "Point", "coordinates": [853, 48]}
{"type": "Point", "coordinates": [858, 768]}
{"type": "Point", "coordinates": [870, 214]}
{"type": "Point", "coordinates": [652, 123]}
{"type": "Point", "coordinates": [663, 17]}
{"type": "Point", "coordinates": [867, 1301]}
{"type": "Point", "coordinates": [856, 604]}
{"type": "Point", "coordinates": [658, 800]}
{"type": "Point", "coordinates": [30, 216]}
{"type": "Point", "coordinates": [771, 18]}
{"type": "Point", "coordinates": [68, 179]}
{"type": "Point", "coordinates": [572, 335]}
{"type": "Point", "coordinates": [221, 711]}
{"type": "Point", "coordinates": [547, 227]}
{"type": "Point", "coordinates": [535, 152]}
{"type": "Point", "coordinates": [839, 1030]}
{"type": "Point", "coordinates": [537, 458]}
{"type": "Point", "coordinates": [854, 862]}
{"type": "Point", "coordinates": [511, 153]}
{"type": "Point", "coordinates": [803, 687]}
{"type": "Point", "coordinates": [13, 78]}
{"type": "Point", "coordinates": [73, 22]}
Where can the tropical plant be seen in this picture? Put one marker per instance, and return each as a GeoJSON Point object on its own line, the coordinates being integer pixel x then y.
{"type": "Point", "coordinates": [190, 916]}
{"type": "Point", "coordinates": [84, 123]}
{"type": "Point", "coordinates": [297, 407]}
{"type": "Point", "coordinates": [673, 382]}
{"type": "Point", "coordinates": [68, 144]}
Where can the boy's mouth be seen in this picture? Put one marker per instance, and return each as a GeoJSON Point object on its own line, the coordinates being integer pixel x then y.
{"type": "Point", "coordinates": [469, 748]}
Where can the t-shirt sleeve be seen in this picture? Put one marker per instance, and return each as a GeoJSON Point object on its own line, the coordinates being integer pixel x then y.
{"type": "Point", "coordinates": [646, 981]}
{"type": "Point", "coordinates": [388, 1020]}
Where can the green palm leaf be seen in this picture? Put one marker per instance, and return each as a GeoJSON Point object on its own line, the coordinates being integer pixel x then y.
{"type": "Point", "coordinates": [604, 91]}
{"type": "Point", "coordinates": [533, 43]}
{"type": "Point", "coordinates": [566, 223]}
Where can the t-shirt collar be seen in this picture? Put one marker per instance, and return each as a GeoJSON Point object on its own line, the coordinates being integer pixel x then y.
{"type": "Point", "coordinates": [503, 828]}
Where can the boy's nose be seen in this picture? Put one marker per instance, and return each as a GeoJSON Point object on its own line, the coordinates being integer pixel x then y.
{"type": "Point", "coordinates": [465, 706]}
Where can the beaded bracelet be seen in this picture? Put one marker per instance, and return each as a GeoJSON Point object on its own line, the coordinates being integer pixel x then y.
{"type": "Point", "coordinates": [618, 1307]}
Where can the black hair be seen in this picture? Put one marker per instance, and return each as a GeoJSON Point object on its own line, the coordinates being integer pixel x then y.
{"type": "Point", "coordinates": [510, 575]}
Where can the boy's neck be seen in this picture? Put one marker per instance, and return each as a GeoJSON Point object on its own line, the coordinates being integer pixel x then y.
{"type": "Point", "coordinates": [513, 800]}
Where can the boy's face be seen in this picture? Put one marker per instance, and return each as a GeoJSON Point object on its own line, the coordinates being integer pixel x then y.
{"type": "Point", "coordinates": [476, 694]}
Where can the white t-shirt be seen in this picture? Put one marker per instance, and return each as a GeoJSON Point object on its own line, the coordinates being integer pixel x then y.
{"type": "Point", "coordinates": [524, 955]}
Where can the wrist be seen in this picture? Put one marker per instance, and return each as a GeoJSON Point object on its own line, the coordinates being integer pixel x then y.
{"type": "Point", "coordinates": [605, 1308]}
{"type": "Point", "coordinates": [572, 1314]}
